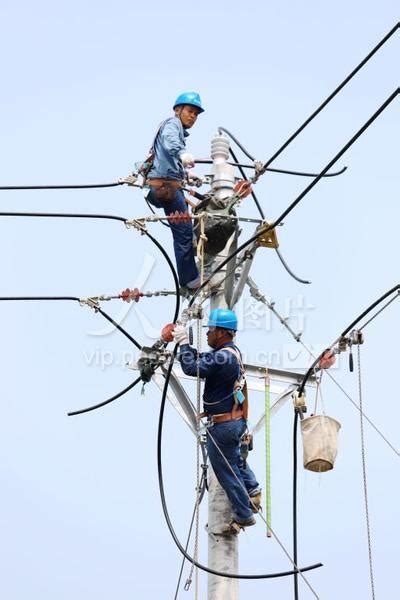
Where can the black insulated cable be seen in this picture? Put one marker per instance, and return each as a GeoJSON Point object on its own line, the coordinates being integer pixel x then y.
{"type": "Point", "coordinates": [328, 99]}
{"type": "Point", "coordinates": [371, 307]}
{"type": "Point", "coordinates": [301, 195]}
{"type": "Point", "coordinates": [165, 508]}
{"type": "Point", "coordinates": [243, 149]}
{"type": "Point", "coordinates": [143, 230]}
{"type": "Point", "coordinates": [105, 402]}
{"type": "Point", "coordinates": [262, 215]}
{"type": "Point", "coordinates": [289, 270]}
{"type": "Point", "coordinates": [295, 576]}
{"type": "Point", "coordinates": [207, 161]}
{"type": "Point", "coordinates": [52, 215]}
{"type": "Point", "coordinates": [74, 299]}
{"type": "Point", "coordinates": [63, 187]}
{"type": "Point", "coordinates": [117, 326]}
{"type": "Point", "coordinates": [243, 174]}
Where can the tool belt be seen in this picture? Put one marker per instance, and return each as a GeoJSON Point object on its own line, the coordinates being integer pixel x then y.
{"type": "Point", "coordinates": [165, 189]}
{"type": "Point", "coordinates": [235, 415]}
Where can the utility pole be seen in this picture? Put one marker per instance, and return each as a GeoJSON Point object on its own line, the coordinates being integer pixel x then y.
{"type": "Point", "coordinates": [223, 550]}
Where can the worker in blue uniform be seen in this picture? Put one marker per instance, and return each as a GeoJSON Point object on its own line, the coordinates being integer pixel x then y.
{"type": "Point", "coordinates": [168, 160]}
{"type": "Point", "coordinates": [225, 406]}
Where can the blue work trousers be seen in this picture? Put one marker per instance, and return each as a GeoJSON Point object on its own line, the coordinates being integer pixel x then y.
{"type": "Point", "coordinates": [227, 437]}
{"type": "Point", "coordinates": [182, 234]}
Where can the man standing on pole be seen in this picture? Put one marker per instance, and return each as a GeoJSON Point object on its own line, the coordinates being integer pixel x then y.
{"type": "Point", "coordinates": [167, 162]}
{"type": "Point", "coordinates": [225, 406]}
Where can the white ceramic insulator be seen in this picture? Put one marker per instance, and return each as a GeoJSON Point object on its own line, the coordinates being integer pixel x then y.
{"type": "Point", "coordinates": [223, 173]}
{"type": "Point", "coordinates": [219, 148]}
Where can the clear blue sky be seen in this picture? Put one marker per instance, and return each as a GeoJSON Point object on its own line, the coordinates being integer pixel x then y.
{"type": "Point", "coordinates": [84, 86]}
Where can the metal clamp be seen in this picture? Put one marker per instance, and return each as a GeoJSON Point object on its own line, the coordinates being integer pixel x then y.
{"type": "Point", "coordinates": [299, 402]}
{"type": "Point", "coordinates": [138, 224]}
{"type": "Point", "coordinates": [91, 302]}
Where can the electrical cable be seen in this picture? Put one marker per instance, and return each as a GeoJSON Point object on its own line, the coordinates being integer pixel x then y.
{"type": "Point", "coordinates": [63, 215]}
{"type": "Point", "coordinates": [165, 508]}
{"type": "Point", "coordinates": [243, 174]}
{"type": "Point", "coordinates": [65, 187]}
{"type": "Point", "coordinates": [117, 326]}
{"type": "Point", "coordinates": [104, 314]}
{"type": "Point", "coordinates": [154, 213]}
{"type": "Point", "coordinates": [328, 99]}
{"type": "Point", "coordinates": [209, 161]}
{"type": "Point", "coordinates": [300, 196]}
{"type": "Point", "coordinates": [243, 149]}
{"type": "Point", "coordinates": [295, 576]}
{"type": "Point", "coordinates": [108, 401]}
{"type": "Point", "coordinates": [394, 289]}
{"type": "Point", "coordinates": [75, 299]}
{"type": "Point", "coordinates": [262, 215]}
{"type": "Point", "coordinates": [288, 269]}
{"type": "Point", "coordinates": [107, 217]}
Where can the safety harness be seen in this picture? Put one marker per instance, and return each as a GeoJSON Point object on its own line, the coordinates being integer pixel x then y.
{"type": "Point", "coordinates": [240, 409]}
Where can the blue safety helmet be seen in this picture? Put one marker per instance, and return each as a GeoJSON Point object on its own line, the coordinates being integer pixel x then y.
{"type": "Point", "coordinates": [191, 98]}
{"type": "Point", "coordinates": [224, 318]}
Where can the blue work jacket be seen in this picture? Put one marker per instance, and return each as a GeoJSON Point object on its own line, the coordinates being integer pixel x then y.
{"type": "Point", "coordinates": [168, 145]}
{"type": "Point", "coordinates": [219, 369]}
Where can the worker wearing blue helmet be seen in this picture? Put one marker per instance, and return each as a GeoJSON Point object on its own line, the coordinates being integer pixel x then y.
{"type": "Point", "coordinates": [167, 161]}
{"type": "Point", "coordinates": [225, 406]}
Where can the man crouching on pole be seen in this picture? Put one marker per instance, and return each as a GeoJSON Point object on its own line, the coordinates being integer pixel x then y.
{"type": "Point", "coordinates": [225, 405]}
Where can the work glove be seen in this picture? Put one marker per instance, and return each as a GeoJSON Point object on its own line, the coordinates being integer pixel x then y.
{"type": "Point", "coordinates": [187, 160]}
{"type": "Point", "coordinates": [130, 180]}
{"type": "Point", "coordinates": [194, 179]}
{"type": "Point", "coordinates": [180, 335]}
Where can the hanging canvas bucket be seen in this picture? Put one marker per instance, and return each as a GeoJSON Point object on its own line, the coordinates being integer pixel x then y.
{"type": "Point", "coordinates": [319, 442]}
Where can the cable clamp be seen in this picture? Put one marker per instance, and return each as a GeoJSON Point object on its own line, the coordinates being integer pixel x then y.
{"type": "Point", "coordinates": [138, 224]}
{"type": "Point", "coordinates": [91, 302]}
{"type": "Point", "coordinates": [299, 402]}
{"type": "Point", "coordinates": [187, 584]}
{"type": "Point", "coordinates": [258, 166]}
{"type": "Point", "coordinates": [356, 337]}
{"type": "Point", "coordinates": [129, 180]}
{"type": "Point", "coordinates": [194, 312]}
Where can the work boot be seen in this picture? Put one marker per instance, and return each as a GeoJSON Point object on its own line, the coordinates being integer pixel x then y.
{"type": "Point", "coordinates": [243, 523]}
{"type": "Point", "coordinates": [255, 502]}
{"type": "Point", "coordinates": [235, 526]}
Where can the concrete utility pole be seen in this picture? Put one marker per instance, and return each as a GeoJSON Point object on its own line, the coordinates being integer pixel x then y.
{"type": "Point", "coordinates": [222, 549]}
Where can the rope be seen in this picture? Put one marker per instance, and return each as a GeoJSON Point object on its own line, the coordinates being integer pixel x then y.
{"type": "Point", "coordinates": [200, 254]}
{"type": "Point", "coordinates": [202, 484]}
{"type": "Point", "coordinates": [268, 507]}
{"type": "Point", "coordinates": [296, 568]}
{"type": "Point", "coordinates": [364, 471]}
